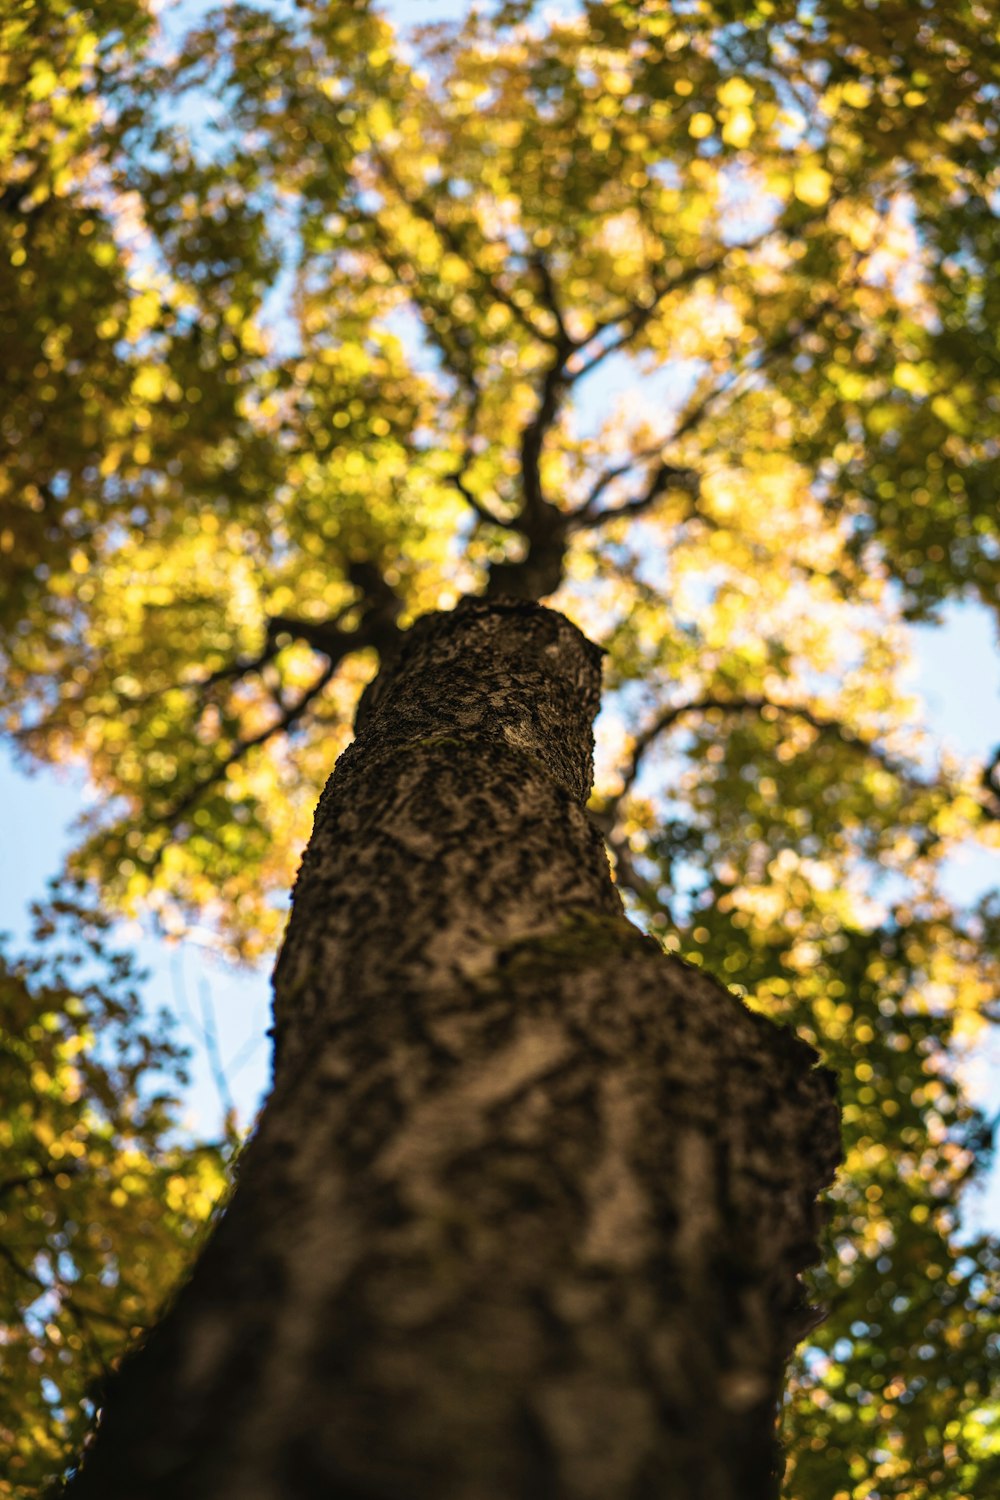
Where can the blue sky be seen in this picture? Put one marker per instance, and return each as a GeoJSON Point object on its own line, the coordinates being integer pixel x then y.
{"type": "Point", "coordinates": [959, 679]}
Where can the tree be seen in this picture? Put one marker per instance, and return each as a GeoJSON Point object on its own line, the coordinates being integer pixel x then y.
{"type": "Point", "coordinates": [320, 371]}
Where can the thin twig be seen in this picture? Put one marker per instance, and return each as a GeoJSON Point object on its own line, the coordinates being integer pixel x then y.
{"type": "Point", "coordinates": [82, 1316]}
{"type": "Point", "coordinates": [626, 874]}
{"type": "Point", "coordinates": [639, 316]}
{"type": "Point", "coordinates": [423, 211]}
{"type": "Point", "coordinates": [44, 1174]}
{"type": "Point", "coordinates": [603, 481]}
{"type": "Point", "coordinates": [665, 477]}
{"type": "Point", "coordinates": [732, 385]}
{"type": "Point", "coordinates": [213, 1051]}
{"type": "Point", "coordinates": [754, 703]}
{"type": "Point", "coordinates": [457, 476]}
{"type": "Point", "coordinates": [286, 720]}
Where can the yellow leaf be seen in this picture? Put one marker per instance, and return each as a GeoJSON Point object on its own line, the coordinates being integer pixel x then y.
{"type": "Point", "coordinates": [856, 94]}
{"type": "Point", "coordinates": [945, 409]}
{"type": "Point", "coordinates": [735, 93]}
{"type": "Point", "coordinates": [379, 120]}
{"type": "Point", "coordinates": [739, 128]}
{"type": "Point", "coordinates": [454, 268]}
{"type": "Point", "coordinates": [700, 126]}
{"type": "Point", "coordinates": [812, 185]}
{"type": "Point", "coordinates": [910, 377]}
{"type": "Point", "coordinates": [148, 384]}
{"type": "Point", "coordinates": [43, 81]}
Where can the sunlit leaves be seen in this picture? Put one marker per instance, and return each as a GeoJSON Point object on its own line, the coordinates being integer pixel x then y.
{"type": "Point", "coordinates": [99, 1211]}
{"type": "Point", "coordinates": [337, 281]}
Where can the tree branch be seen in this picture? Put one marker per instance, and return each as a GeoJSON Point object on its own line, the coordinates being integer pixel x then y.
{"type": "Point", "coordinates": [380, 605]}
{"type": "Point", "coordinates": [754, 703]}
{"type": "Point", "coordinates": [377, 628]}
{"type": "Point", "coordinates": [667, 475]}
{"type": "Point", "coordinates": [457, 480]}
{"type": "Point", "coordinates": [619, 471]}
{"type": "Point", "coordinates": [639, 316]}
{"type": "Point", "coordinates": [626, 873]}
{"type": "Point", "coordinates": [44, 1174]}
{"type": "Point", "coordinates": [551, 299]}
{"type": "Point", "coordinates": [80, 1314]}
{"type": "Point", "coordinates": [419, 206]}
{"type": "Point", "coordinates": [241, 667]}
{"type": "Point", "coordinates": [544, 526]}
{"type": "Point", "coordinates": [990, 784]}
{"type": "Point", "coordinates": [533, 436]}
{"type": "Point", "coordinates": [289, 717]}
{"type": "Point", "coordinates": [457, 477]}
{"type": "Point", "coordinates": [434, 311]}
{"type": "Point", "coordinates": [664, 477]}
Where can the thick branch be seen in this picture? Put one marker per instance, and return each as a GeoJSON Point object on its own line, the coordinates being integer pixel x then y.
{"type": "Point", "coordinates": [324, 636]}
{"type": "Point", "coordinates": [550, 296]}
{"type": "Point", "coordinates": [544, 526]}
{"type": "Point", "coordinates": [380, 607]}
{"type": "Point", "coordinates": [533, 436]}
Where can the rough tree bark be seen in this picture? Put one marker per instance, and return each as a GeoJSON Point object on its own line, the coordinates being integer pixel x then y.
{"type": "Point", "coordinates": [524, 1214]}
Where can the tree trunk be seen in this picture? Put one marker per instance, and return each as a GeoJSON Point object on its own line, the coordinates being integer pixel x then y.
{"type": "Point", "coordinates": [523, 1217]}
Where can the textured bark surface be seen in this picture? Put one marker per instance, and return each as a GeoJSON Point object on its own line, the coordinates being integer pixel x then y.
{"type": "Point", "coordinates": [524, 1215]}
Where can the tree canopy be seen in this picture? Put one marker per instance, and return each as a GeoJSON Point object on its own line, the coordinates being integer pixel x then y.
{"type": "Point", "coordinates": [681, 316]}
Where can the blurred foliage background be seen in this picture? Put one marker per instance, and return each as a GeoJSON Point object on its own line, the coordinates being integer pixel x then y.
{"type": "Point", "coordinates": [682, 316]}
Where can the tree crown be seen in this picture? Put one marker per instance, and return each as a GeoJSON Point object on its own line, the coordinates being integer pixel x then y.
{"type": "Point", "coordinates": [681, 317]}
